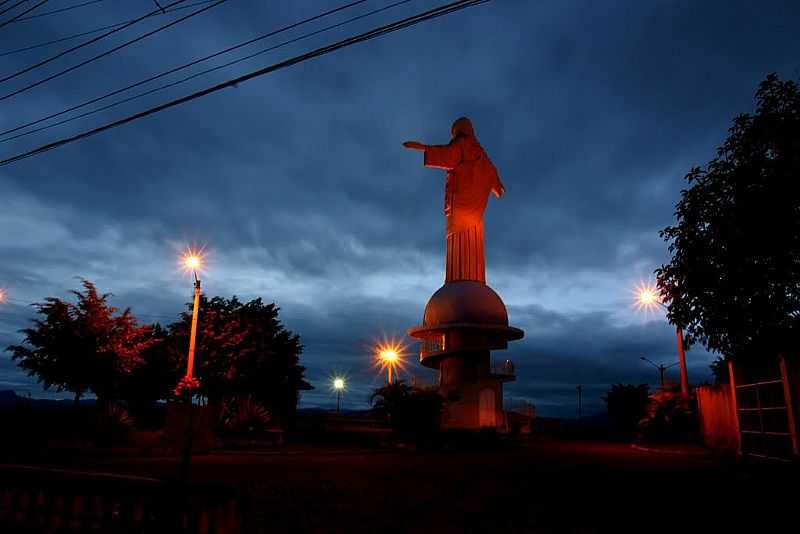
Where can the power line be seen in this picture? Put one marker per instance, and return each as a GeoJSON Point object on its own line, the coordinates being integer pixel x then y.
{"type": "Point", "coordinates": [110, 51]}
{"type": "Point", "coordinates": [366, 36]}
{"type": "Point", "coordinates": [60, 10]}
{"type": "Point", "coordinates": [179, 68]}
{"type": "Point", "coordinates": [13, 19]}
{"type": "Point", "coordinates": [101, 28]}
{"type": "Point", "coordinates": [6, 10]}
{"type": "Point", "coordinates": [85, 43]}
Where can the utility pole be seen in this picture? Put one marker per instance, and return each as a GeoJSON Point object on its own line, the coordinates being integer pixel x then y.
{"type": "Point", "coordinates": [580, 393]}
{"type": "Point", "coordinates": [663, 368]}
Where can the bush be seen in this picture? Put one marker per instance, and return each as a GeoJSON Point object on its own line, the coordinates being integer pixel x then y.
{"type": "Point", "coordinates": [410, 410]}
{"type": "Point", "coordinates": [627, 405]}
{"type": "Point", "coordinates": [243, 415]}
{"type": "Point", "coordinates": [669, 418]}
{"type": "Point", "coordinates": [113, 422]}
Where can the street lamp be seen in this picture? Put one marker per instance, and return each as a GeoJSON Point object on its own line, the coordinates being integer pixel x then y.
{"type": "Point", "coordinates": [660, 366]}
{"type": "Point", "coordinates": [3, 296]}
{"type": "Point", "coordinates": [193, 262]}
{"type": "Point", "coordinates": [389, 358]}
{"type": "Point", "coordinates": [338, 386]}
{"type": "Point", "coordinates": [648, 298]}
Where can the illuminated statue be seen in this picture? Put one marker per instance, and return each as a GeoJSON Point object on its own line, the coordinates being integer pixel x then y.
{"type": "Point", "coordinates": [471, 176]}
{"type": "Point", "coordinates": [465, 320]}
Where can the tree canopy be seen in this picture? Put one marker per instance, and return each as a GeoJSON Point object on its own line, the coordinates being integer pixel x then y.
{"type": "Point", "coordinates": [243, 349]}
{"type": "Point", "coordinates": [80, 347]}
{"type": "Point", "coordinates": [733, 282]}
{"type": "Point", "coordinates": [243, 353]}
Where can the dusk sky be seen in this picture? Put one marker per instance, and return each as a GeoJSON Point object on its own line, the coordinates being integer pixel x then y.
{"type": "Point", "coordinates": [298, 186]}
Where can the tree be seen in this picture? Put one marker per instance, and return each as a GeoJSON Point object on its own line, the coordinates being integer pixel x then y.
{"type": "Point", "coordinates": [733, 282]}
{"type": "Point", "coordinates": [387, 400]}
{"type": "Point", "coordinates": [243, 350]}
{"type": "Point", "coordinates": [719, 368]}
{"type": "Point", "coordinates": [82, 347]}
{"type": "Point", "coordinates": [154, 378]}
{"type": "Point", "coordinates": [408, 409]}
{"type": "Point", "coordinates": [627, 405]}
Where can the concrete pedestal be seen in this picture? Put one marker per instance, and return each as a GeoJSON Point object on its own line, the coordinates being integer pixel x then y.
{"type": "Point", "coordinates": [474, 396]}
{"type": "Point", "coordinates": [462, 323]}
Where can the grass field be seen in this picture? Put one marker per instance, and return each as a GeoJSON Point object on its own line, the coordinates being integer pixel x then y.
{"type": "Point", "coordinates": [537, 486]}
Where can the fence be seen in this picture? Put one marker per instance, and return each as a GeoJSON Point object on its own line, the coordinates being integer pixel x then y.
{"type": "Point", "coordinates": [51, 500]}
{"type": "Point", "coordinates": [717, 417]}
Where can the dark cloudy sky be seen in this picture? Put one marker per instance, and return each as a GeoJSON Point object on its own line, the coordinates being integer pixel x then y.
{"type": "Point", "coordinates": [297, 184]}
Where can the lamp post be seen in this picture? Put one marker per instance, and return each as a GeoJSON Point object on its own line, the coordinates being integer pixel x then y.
{"type": "Point", "coordinates": [648, 298]}
{"type": "Point", "coordinates": [389, 358]}
{"type": "Point", "coordinates": [193, 262]}
{"type": "Point", "coordinates": [580, 400]}
{"type": "Point", "coordinates": [338, 386]}
{"type": "Point", "coordinates": [661, 368]}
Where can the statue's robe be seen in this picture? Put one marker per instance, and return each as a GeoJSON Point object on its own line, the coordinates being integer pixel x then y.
{"type": "Point", "coordinates": [471, 177]}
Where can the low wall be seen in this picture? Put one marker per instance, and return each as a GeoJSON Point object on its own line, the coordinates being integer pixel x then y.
{"type": "Point", "coordinates": [43, 500]}
{"type": "Point", "coordinates": [717, 418]}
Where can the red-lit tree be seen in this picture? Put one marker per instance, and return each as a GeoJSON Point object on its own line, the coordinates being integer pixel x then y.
{"type": "Point", "coordinates": [243, 351]}
{"type": "Point", "coordinates": [86, 346]}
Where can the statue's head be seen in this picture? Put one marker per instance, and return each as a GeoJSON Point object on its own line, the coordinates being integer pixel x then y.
{"type": "Point", "coordinates": [462, 127]}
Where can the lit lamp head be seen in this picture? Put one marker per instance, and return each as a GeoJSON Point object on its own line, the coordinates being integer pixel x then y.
{"type": "Point", "coordinates": [338, 384]}
{"type": "Point", "coordinates": [647, 297]}
{"type": "Point", "coordinates": [2, 295]}
{"type": "Point", "coordinates": [389, 356]}
{"type": "Point", "coordinates": [192, 262]}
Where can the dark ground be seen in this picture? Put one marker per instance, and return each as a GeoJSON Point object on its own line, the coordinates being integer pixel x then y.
{"type": "Point", "coordinates": [541, 486]}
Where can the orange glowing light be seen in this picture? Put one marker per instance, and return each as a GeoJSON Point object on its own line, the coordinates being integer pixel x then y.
{"type": "Point", "coordinates": [2, 295]}
{"type": "Point", "coordinates": [389, 357]}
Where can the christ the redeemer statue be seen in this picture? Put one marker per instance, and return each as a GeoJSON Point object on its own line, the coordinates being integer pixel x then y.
{"type": "Point", "coordinates": [471, 176]}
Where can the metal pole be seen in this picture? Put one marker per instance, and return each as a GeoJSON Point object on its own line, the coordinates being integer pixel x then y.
{"type": "Point", "coordinates": [193, 335]}
{"type": "Point", "coordinates": [338, 400]}
{"type": "Point", "coordinates": [187, 449]}
{"type": "Point", "coordinates": [390, 372]}
{"type": "Point", "coordinates": [580, 391]}
{"type": "Point", "coordinates": [682, 359]}
{"type": "Point", "coordinates": [661, 370]}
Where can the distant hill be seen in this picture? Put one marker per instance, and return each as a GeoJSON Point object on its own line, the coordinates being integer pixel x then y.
{"type": "Point", "coordinates": [10, 398]}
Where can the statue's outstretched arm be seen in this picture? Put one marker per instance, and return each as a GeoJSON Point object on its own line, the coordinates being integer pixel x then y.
{"type": "Point", "coordinates": [415, 145]}
{"type": "Point", "coordinates": [438, 156]}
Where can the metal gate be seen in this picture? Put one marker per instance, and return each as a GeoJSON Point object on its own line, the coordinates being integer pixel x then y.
{"type": "Point", "coordinates": [765, 418]}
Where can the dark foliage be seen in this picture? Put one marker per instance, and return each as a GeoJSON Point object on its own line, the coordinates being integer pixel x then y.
{"type": "Point", "coordinates": [86, 346]}
{"type": "Point", "coordinates": [627, 405]}
{"type": "Point", "coordinates": [242, 349]}
{"type": "Point", "coordinates": [153, 379]}
{"type": "Point", "coordinates": [719, 368]}
{"type": "Point", "coordinates": [733, 281]}
{"type": "Point", "coordinates": [410, 410]}
{"type": "Point", "coordinates": [670, 418]}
